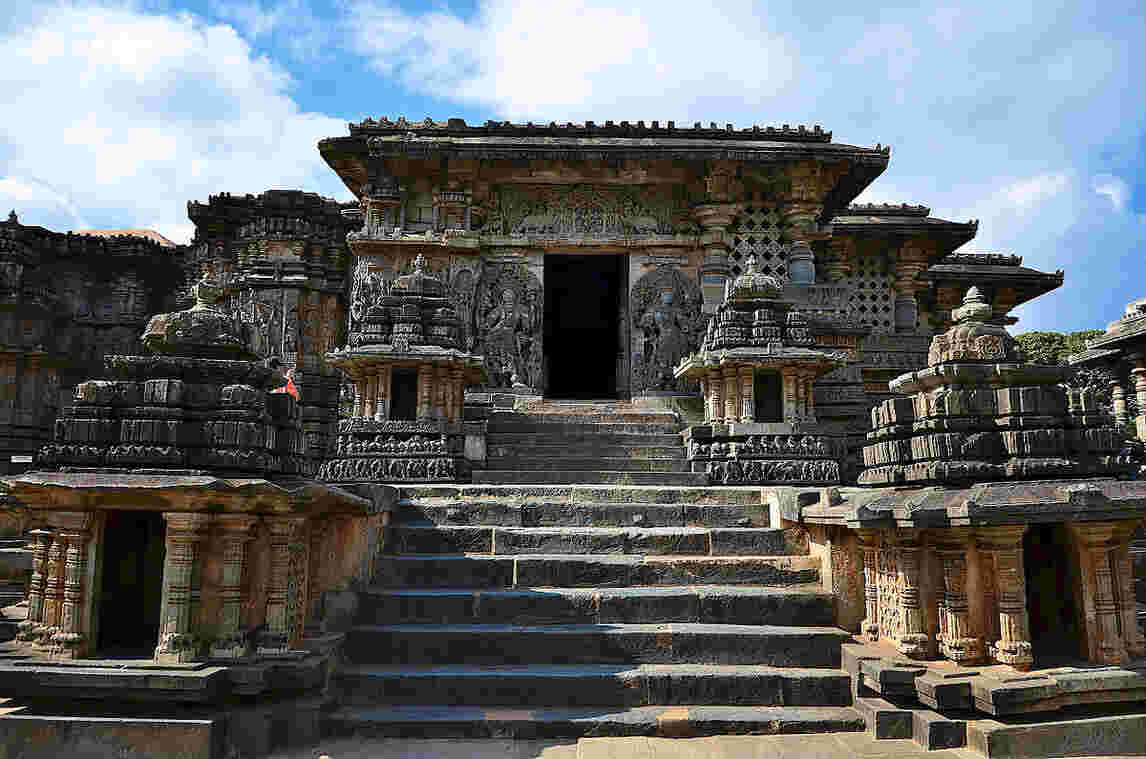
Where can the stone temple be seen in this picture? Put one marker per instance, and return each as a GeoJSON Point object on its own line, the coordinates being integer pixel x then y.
{"type": "Point", "coordinates": [558, 431]}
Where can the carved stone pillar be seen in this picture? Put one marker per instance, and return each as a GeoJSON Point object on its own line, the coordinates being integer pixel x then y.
{"type": "Point", "coordinates": [459, 382]}
{"type": "Point", "coordinates": [747, 395]}
{"type": "Point", "coordinates": [234, 535]}
{"type": "Point", "coordinates": [1005, 546]}
{"type": "Point", "coordinates": [382, 394]}
{"type": "Point", "coordinates": [913, 641]}
{"type": "Point", "coordinates": [1118, 399]}
{"type": "Point", "coordinates": [956, 642]}
{"type": "Point", "coordinates": [30, 627]}
{"type": "Point", "coordinates": [280, 623]}
{"type": "Point", "coordinates": [714, 219]}
{"type": "Point", "coordinates": [71, 641]}
{"type": "Point", "coordinates": [448, 389]}
{"type": "Point", "coordinates": [912, 262]}
{"type": "Point", "coordinates": [53, 588]}
{"type": "Point", "coordinates": [185, 533]}
{"type": "Point", "coordinates": [1101, 613]}
{"type": "Point", "coordinates": [869, 547]}
{"type": "Point", "coordinates": [841, 258]}
{"type": "Point", "coordinates": [425, 391]}
{"type": "Point", "coordinates": [715, 397]}
{"type": "Point", "coordinates": [788, 382]}
{"type": "Point", "coordinates": [442, 375]}
{"type": "Point", "coordinates": [731, 396]}
{"type": "Point", "coordinates": [1139, 374]}
{"type": "Point", "coordinates": [369, 396]}
{"type": "Point", "coordinates": [1124, 588]}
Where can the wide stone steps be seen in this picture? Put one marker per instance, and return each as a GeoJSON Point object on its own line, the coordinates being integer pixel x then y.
{"type": "Point", "coordinates": [595, 644]}
{"type": "Point", "coordinates": [712, 604]}
{"type": "Point", "coordinates": [534, 721]}
{"type": "Point", "coordinates": [495, 513]}
{"type": "Point", "coordinates": [585, 449]}
{"type": "Point", "coordinates": [593, 570]}
{"type": "Point", "coordinates": [580, 495]}
{"type": "Point", "coordinates": [441, 539]}
{"type": "Point", "coordinates": [539, 462]}
{"type": "Point", "coordinates": [593, 685]}
{"type": "Point", "coordinates": [580, 477]}
{"type": "Point", "coordinates": [577, 428]}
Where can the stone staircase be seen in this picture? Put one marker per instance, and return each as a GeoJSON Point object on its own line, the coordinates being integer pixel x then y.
{"type": "Point", "coordinates": [605, 442]}
{"type": "Point", "coordinates": [568, 611]}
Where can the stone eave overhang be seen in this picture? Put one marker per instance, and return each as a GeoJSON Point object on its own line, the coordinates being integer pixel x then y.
{"type": "Point", "coordinates": [89, 490]}
{"type": "Point", "coordinates": [351, 156]}
{"type": "Point", "coordinates": [952, 234]}
{"type": "Point", "coordinates": [1096, 356]}
{"type": "Point", "coordinates": [699, 363]}
{"type": "Point", "coordinates": [1026, 282]}
{"type": "Point", "coordinates": [987, 504]}
{"type": "Point", "coordinates": [1128, 336]}
{"type": "Point", "coordinates": [373, 357]}
{"type": "Point", "coordinates": [947, 373]}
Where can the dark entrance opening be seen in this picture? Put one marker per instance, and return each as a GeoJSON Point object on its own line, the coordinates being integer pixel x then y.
{"type": "Point", "coordinates": [582, 325]}
{"type": "Point", "coordinates": [1051, 581]}
{"type": "Point", "coordinates": [131, 584]}
{"type": "Point", "coordinates": [766, 389]}
{"type": "Point", "coordinates": [404, 394]}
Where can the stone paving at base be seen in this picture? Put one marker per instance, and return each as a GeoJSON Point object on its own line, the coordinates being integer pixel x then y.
{"type": "Point", "coordinates": [834, 746]}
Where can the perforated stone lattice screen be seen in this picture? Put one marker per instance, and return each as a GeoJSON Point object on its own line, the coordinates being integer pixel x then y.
{"type": "Point", "coordinates": [757, 230]}
{"type": "Point", "coordinates": [872, 299]}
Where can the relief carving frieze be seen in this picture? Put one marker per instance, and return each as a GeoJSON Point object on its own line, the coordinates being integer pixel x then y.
{"type": "Point", "coordinates": [667, 325]}
{"type": "Point", "coordinates": [579, 211]}
{"type": "Point", "coordinates": [508, 314]}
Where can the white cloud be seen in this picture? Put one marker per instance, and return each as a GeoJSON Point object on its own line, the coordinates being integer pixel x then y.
{"type": "Point", "coordinates": [122, 116]}
{"type": "Point", "coordinates": [1114, 189]}
{"type": "Point", "coordinates": [1027, 194]}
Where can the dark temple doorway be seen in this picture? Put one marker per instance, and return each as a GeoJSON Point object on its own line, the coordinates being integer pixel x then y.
{"type": "Point", "coordinates": [582, 325]}
{"type": "Point", "coordinates": [404, 394]}
{"type": "Point", "coordinates": [1051, 579]}
{"type": "Point", "coordinates": [131, 584]}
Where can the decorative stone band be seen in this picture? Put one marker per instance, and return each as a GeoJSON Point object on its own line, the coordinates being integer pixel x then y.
{"type": "Point", "coordinates": [387, 469]}
{"type": "Point", "coordinates": [766, 471]}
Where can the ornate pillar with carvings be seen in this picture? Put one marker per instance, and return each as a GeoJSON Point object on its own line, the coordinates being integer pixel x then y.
{"type": "Point", "coordinates": [441, 380]}
{"type": "Point", "coordinates": [234, 535]}
{"type": "Point", "coordinates": [185, 533]}
{"type": "Point", "coordinates": [841, 258]}
{"type": "Point", "coordinates": [382, 394]}
{"type": "Point", "coordinates": [425, 390]}
{"type": "Point", "coordinates": [1124, 589]}
{"type": "Point", "coordinates": [913, 640]}
{"type": "Point", "coordinates": [30, 627]}
{"type": "Point", "coordinates": [715, 396]}
{"type": "Point", "coordinates": [957, 642]}
{"type": "Point", "coordinates": [788, 384]}
{"type": "Point", "coordinates": [731, 396]}
{"type": "Point", "coordinates": [1101, 613]}
{"type": "Point", "coordinates": [869, 547]}
{"type": "Point", "coordinates": [747, 395]}
{"type": "Point", "coordinates": [72, 639]}
{"type": "Point", "coordinates": [1005, 546]}
{"type": "Point", "coordinates": [1139, 374]}
{"type": "Point", "coordinates": [285, 533]}
{"type": "Point", "coordinates": [1118, 400]}
{"type": "Point", "coordinates": [53, 588]}
{"type": "Point", "coordinates": [911, 262]}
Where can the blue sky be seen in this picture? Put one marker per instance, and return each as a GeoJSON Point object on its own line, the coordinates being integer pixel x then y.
{"type": "Point", "coordinates": [1028, 116]}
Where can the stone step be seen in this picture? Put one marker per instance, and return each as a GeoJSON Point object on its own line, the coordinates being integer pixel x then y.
{"type": "Point", "coordinates": [568, 427]}
{"type": "Point", "coordinates": [591, 463]}
{"type": "Point", "coordinates": [584, 414]}
{"type": "Point", "coordinates": [501, 513]}
{"type": "Point", "coordinates": [442, 539]}
{"type": "Point", "coordinates": [670, 643]}
{"type": "Point", "coordinates": [807, 605]}
{"type": "Point", "coordinates": [573, 570]}
{"type": "Point", "coordinates": [585, 437]}
{"type": "Point", "coordinates": [583, 494]}
{"type": "Point", "coordinates": [583, 450]}
{"type": "Point", "coordinates": [1054, 734]}
{"type": "Point", "coordinates": [574, 477]}
{"type": "Point", "coordinates": [610, 685]}
{"type": "Point", "coordinates": [440, 721]}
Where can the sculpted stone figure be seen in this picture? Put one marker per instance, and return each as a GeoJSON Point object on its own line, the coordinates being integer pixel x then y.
{"type": "Point", "coordinates": [509, 336]}
{"type": "Point", "coordinates": [667, 322]}
{"type": "Point", "coordinates": [509, 327]}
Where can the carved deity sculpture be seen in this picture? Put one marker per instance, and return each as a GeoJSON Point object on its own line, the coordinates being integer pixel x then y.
{"type": "Point", "coordinates": [667, 322]}
{"type": "Point", "coordinates": [509, 326]}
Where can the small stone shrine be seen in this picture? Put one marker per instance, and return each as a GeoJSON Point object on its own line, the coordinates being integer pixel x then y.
{"type": "Point", "coordinates": [171, 523]}
{"type": "Point", "coordinates": [957, 566]}
{"type": "Point", "coordinates": [410, 373]}
{"type": "Point", "coordinates": [756, 367]}
{"type": "Point", "coordinates": [1122, 350]}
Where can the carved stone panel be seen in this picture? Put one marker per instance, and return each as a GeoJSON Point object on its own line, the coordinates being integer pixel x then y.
{"type": "Point", "coordinates": [508, 317]}
{"type": "Point", "coordinates": [581, 211]}
{"type": "Point", "coordinates": [667, 325]}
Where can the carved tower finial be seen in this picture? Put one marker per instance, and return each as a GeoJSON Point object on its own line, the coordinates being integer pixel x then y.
{"type": "Point", "coordinates": [13, 218]}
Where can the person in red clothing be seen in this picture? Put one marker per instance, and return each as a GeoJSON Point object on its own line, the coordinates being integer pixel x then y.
{"type": "Point", "coordinates": [289, 387]}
